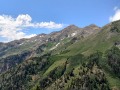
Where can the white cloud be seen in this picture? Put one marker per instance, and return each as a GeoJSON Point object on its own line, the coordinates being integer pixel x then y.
{"type": "Point", "coordinates": [12, 28]}
{"type": "Point", "coordinates": [116, 16]}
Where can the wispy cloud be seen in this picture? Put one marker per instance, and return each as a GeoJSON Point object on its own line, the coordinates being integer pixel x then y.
{"type": "Point", "coordinates": [12, 28]}
{"type": "Point", "coordinates": [116, 16]}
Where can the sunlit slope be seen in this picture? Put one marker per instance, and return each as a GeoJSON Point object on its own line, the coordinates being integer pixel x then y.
{"type": "Point", "coordinates": [101, 41]}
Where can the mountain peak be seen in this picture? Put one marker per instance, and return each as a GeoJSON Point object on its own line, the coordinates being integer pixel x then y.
{"type": "Point", "coordinates": [71, 27]}
{"type": "Point", "coordinates": [92, 26]}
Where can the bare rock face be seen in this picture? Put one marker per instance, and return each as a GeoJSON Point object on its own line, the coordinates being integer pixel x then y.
{"type": "Point", "coordinates": [91, 29]}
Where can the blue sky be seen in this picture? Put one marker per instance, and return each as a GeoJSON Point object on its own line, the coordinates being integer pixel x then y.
{"type": "Point", "coordinates": [54, 15]}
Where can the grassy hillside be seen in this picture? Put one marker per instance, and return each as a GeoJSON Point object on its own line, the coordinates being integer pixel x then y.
{"type": "Point", "coordinates": [101, 41]}
{"type": "Point", "coordinates": [81, 63]}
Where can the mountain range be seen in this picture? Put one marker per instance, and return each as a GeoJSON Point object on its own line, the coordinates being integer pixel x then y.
{"type": "Point", "coordinates": [71, 59]}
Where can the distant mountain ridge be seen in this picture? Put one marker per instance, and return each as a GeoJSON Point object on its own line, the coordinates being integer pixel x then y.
{"type": "Point", "coordinates": [69, 31]}
{"type": "Point", "coordinates": [17, 47]}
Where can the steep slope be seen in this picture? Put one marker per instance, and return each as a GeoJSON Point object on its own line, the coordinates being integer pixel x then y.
{"type": "Point", "coordinates": [72, 59]}
{"type": "Point", "coordinates": [39, 45]}
{"type": "Point", "coordinates": [101, 41]}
